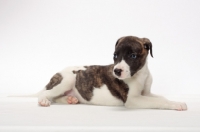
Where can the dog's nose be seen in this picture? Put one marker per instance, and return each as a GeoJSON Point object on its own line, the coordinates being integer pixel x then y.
{"type": "Point", "coordinates": [118, 71]}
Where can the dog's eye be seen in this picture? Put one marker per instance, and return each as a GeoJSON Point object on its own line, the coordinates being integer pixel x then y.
{"type": "Point", "coordinates": [133, 56]}
{"type": "Point", "coordinates": [115, 56]}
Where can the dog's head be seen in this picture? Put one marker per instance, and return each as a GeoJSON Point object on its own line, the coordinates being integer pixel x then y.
{"type": "Point", "coordinates": [130, 56]}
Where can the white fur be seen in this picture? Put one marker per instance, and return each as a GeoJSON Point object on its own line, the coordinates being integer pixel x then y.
{"type": "Point", "coordinates": [67, 84]}
{"type": "Point", "coordinates": [125, 70]}
{"type": "Point", "coordinates": [102, 96]}
{"type": "Point", "coordinates": [139, 95]}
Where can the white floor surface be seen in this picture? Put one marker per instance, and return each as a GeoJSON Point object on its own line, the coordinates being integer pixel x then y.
{"type": "Point", "coordinates": [23, 114]}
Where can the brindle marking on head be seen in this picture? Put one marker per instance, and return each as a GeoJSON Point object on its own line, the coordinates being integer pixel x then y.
{"type": "Point", "coordinates": [145, 42]}
{"type": "Point", "coordinates": [126, 46]}
{"type": "Point", "coordinates": [55, 80]}
{"type": "Point", "coordinates": [96, 76]}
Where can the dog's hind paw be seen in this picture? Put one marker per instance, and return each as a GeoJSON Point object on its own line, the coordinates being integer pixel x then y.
{"type": "Point", "coordinates": [44, 102]}
{"type": "Point", "coordinates": [72, 100]}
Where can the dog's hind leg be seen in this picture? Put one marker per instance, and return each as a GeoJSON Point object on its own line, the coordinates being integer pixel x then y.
{"type": "Point", "coordinates": [48, 95]}
{"type": "Point", "coordinates": [58, 85]}
{"type": "Point", "coordinates": [69, 99]}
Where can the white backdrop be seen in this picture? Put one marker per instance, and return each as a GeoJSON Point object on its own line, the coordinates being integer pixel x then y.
{"type": "Point", "coordinates": [40, 38]}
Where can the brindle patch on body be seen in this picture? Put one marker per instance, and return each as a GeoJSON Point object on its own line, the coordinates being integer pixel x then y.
{"type": "Point", "coordinates": [96, 76]}
{"type": "Point", "coordinates": [55, 80]}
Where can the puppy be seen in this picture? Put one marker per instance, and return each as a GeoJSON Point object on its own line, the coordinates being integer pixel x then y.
{"type": "Point", "coordinates": [126, 82]}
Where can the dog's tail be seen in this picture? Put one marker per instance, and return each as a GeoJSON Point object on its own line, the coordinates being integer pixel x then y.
{"type": "Point", "coordinates": [28, 95]}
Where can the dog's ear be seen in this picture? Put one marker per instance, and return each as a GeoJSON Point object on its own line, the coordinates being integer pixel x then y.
{"type": "Point", "coordinates": [118, 41]}
{"type": "Point", "coordinates": [148, 45]}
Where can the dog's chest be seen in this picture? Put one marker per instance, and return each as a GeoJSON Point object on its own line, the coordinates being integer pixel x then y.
{"type": "Point", "coordinates": [97, 85]}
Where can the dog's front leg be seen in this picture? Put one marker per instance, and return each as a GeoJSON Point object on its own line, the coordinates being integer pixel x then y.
{"type": "Point", "coordinates": [147, 88]}
{"type": "Point", "coordinates": [136, 100]}
{"type": "Point", "coordinates": [146, 102]}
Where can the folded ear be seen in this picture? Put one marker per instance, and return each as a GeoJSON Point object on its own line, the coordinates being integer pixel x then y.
{"type": "Point", "coordinates": [118, 41]}
{"type": "Point", "coordinates": [148, 45]}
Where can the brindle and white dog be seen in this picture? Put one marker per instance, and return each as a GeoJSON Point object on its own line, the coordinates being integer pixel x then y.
{"type": "Point", "coordinates": [126, 82]}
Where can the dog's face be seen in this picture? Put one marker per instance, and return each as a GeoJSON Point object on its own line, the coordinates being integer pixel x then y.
{"type": "Point", "coordinates": [130, 56]}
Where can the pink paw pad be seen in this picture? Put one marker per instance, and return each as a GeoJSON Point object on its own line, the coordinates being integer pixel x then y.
{"type": "Point", "coordinates": [72, 100]}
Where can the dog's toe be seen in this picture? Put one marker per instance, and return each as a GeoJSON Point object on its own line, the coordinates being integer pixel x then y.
{"type": "Point", "coordinates": [72, 100]}
{"type": "Point", "coordinates": [44, 102]}
{"type": "Point", "coordinates": [183, 106]}
{"type": "Point", "coordinates": [180, 106]}
{"type": "Point", "coordinates": [75, 100]}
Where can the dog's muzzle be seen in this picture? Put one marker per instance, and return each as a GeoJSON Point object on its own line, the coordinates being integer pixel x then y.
{"type": "Point", "coordinates": [118, 72]}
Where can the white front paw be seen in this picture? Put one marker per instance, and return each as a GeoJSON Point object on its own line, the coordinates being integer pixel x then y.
{"type": "Point", "coordinates": [180, 106]}
{"type": "Point", "coordinates": [44, 102]}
